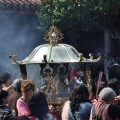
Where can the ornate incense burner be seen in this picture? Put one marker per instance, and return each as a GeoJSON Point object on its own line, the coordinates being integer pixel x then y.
{"type": "Point", "coordinates": [53, 58]}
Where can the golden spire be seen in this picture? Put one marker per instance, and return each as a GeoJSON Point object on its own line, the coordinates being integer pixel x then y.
{"type": "Point", "coordinates": [53, 35]}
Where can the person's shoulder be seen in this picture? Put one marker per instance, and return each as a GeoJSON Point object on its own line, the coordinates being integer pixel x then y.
{"type": "Point", "coordinates": [6, 112]}
{"type": "Point", "coordinates": [86, 104]}
{"type": "Point", "coordinates": [113, 107]}
{"type": "Point", "coordinates": [20, 100]}
{"type": "Point", "coordinates": [66, 105]}
{"type": "Point", "coordinates": [67, 102]}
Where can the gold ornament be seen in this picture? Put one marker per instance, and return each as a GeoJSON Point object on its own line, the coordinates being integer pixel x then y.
{"type": "Point", "coordinates": [53, 35]}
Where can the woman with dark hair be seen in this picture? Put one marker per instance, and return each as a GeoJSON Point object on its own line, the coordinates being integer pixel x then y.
{"type": "Point", "coordinates": [6, 81]}
{"type": "Point", "coordinates": [78, 107]}
{"type": "Point", "coordinates": [38, 107]}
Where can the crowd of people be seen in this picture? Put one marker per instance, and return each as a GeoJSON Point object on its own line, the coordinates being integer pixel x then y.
{"type": "Point", "coordinates": [20, 100]}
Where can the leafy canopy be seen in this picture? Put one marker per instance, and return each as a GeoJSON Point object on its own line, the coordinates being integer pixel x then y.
{"type": "Point", "coordinates": [79, 15]}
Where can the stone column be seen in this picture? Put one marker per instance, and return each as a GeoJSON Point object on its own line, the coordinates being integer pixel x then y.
{"type": "Point", "coordinates": [107, 42]}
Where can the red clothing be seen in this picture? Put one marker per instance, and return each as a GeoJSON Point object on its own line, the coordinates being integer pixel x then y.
{"type": "Point", "coordinates": [105, 115]}
{"type": "Point", "coordinates": [93, 97]}
{"type": "Point", "coordinates": [22, 107]}
{"type": "Point", "coordinates": [73, 73]}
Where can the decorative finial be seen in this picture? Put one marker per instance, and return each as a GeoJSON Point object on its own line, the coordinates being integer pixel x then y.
{"type": "Point", "coordinates": [53, 35]}
{"type": "Point", "coordinates": [90, 59]}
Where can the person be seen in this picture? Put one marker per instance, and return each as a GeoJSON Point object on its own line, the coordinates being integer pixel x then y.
{"type": "Point", "coordinates": [104, 108]}
{"type": "Point", "coordinates": [38, 100]}
{"type": "Point", "coordinates": [6, 80]}
{"type": "Point", "coordinates": [5, 112]}
{"type": "Point", "coordinates": [77, 76]}
{"type": "Point", "coordinates": [15, 96]}
{"type": "Point", "coordinates": [79, 106]}
{"type": "Point", "coordinates": [107, 63]}
{"type": "Point", "coordinates": [114, 70]}
{"type": "Point", "coordinates": [5, 77]}
{"type": "Point", "coordinates": [27, 89]}
{"type": "Point", "coordinates": [80, 76]}
{"type": "Point", "coordinates": [114, 83]}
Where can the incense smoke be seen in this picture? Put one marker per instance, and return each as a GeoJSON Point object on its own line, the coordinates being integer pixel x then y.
{"type": "Point", "coordinates": [18, 36]}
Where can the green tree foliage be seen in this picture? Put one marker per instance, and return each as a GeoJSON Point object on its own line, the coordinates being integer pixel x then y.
{"type": "Point", "coordinates": [108, 15]}
{"type": "Point", "coordinates": [79, 15]}
{"type": "Point", "coordinates": [55, 12]}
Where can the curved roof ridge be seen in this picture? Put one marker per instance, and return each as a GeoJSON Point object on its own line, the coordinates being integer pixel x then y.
{"type": "Point", "coordinates": [20, 5]}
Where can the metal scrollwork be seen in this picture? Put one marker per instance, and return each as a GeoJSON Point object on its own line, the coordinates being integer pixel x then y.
{"type": "Point", "coordinates": [90, 59]}
{"type": "Point", "coordinates": [62, 69]}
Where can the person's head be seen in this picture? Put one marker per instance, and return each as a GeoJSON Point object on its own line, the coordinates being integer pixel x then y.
{"type": "Point", "coordinates": [108, 95]}
{"type": "Point", "coordinates": [79, 95]}
{"type": "Point", "coordinates": [80, 71]}
{"type": "Point", "coordinates": [27, 88]}
{"type": "Point", "coordinates": [3, 97]}
{"type": "Point", "coordinates": [114, 83]}
{"type": "Point", "coordinates": [17, 85]}
{"type": "Point", "coordinates": [19, 118]}
{"type": "Point", "coordinates": [38, 105]}
{"type": "Point", "coordinates": [5, 77]}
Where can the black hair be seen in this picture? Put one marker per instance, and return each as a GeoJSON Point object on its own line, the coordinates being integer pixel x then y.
{"type": "Point", "coordinates": [3, 95]}
{"type": "Point", "coordinates": [4, 77]}
{"type": "Point", "coordinates": [114, 83]}
{"type": "Point", "coordinates": [79, 95]}
{"type": "Point", "coordinates": [19, 118]}
{"type": "Point", "coordinates": [38, 105]}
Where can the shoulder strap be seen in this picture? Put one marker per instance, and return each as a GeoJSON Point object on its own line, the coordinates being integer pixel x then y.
{"type": "Point", "coordinates": [73, 115]}
{"type": "Point", "coordinates": [94, 116]}
{"type": "Point", "coordinates": [99, 115]}
{"type": "Point", "coordinates": [101, 111]}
